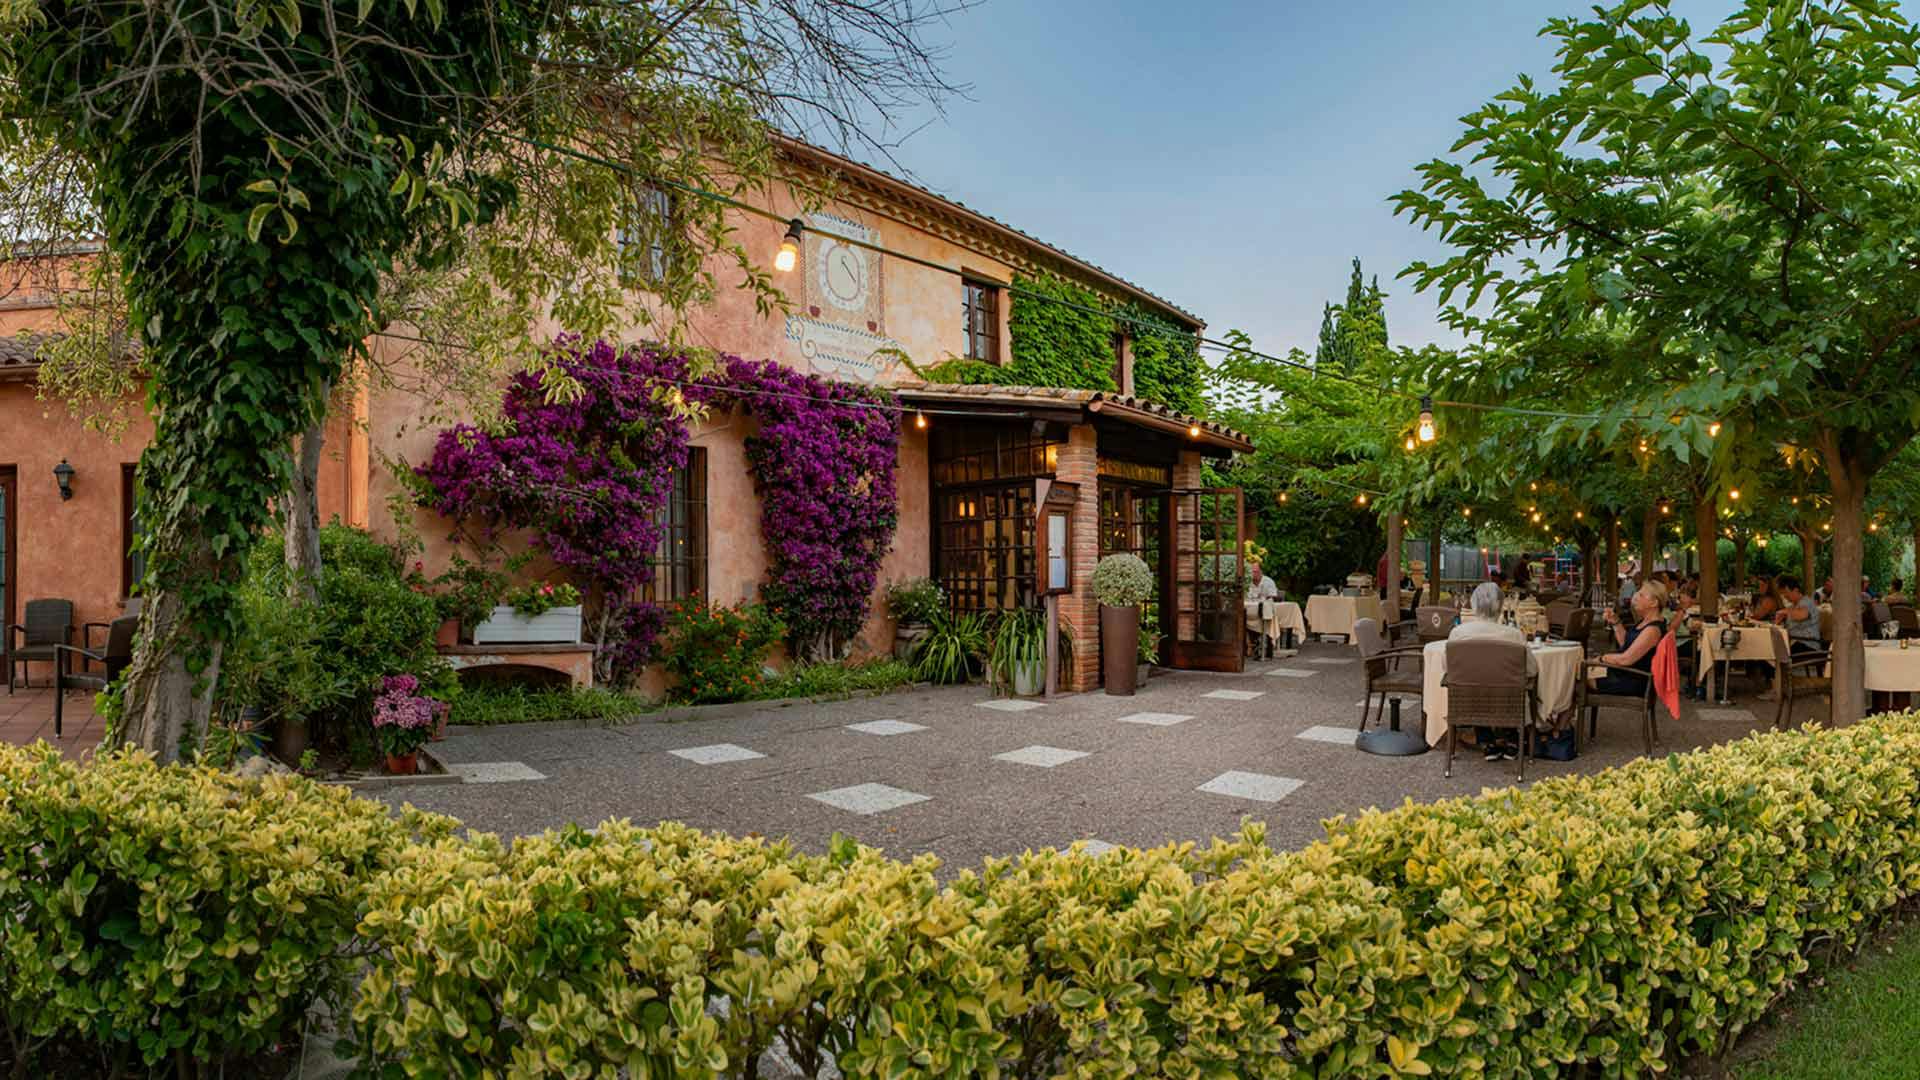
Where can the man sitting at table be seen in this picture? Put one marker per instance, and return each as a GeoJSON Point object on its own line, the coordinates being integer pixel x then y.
{"type": "Point", "coordinates": [1259, 588]}
{"type": "Point", "coordinates": [1799, 614]}
{"type": "Point", "coordinates": [1898, 593]}
{"type": "Point", "coordinates": [1481, 622]}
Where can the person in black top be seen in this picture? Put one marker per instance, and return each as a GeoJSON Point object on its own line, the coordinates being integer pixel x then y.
{"type": "Point", "coordinates": [1633, 647]}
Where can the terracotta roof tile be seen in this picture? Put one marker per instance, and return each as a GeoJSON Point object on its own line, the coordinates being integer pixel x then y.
{"type": "Point", "coordinates": [984, 393]}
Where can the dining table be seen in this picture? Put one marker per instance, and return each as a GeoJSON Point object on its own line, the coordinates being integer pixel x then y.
{"type": "Point", "coordinates": [1891, 669]}
{"type": "Point", "coordinates": [1327, 615]}
{"type": "Point", "coordinates": [1274, 617]}
{"type": "Point", "coordinates": [1755, 643]}
{"type": "Point", "coordinates": [1559, 662]}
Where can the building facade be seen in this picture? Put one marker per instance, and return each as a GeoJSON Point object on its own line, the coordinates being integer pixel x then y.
{"type": "Point", "coordinates": [949, 288]}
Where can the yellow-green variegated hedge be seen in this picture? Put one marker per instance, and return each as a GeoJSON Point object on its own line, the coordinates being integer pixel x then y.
{"type": "Point", "coordinates": [1622, 920]}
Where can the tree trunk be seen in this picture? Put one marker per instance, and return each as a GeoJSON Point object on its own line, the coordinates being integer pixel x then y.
{"type": "Point", "coordinates": [1611, 581]}
{"type": "Point", "coordinates": [1396, 527]}
{"type": "Point", "coordinates": [300, 515]}
{"type": "Point", "coordinates": [1849, 483]}
{"type": "Point", "coordinates": [1706, 525]}
{"type": "Point", "coordinates": [165, 707]}
{"type": "Point", "coordinates": [1649, 541]}
{"type": "Point", "coordinates": [1433, 566]}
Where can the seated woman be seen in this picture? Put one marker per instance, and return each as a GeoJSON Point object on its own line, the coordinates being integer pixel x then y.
{"type": "Point", "coordinates": [1766, 599]}
{"type": "Point", "coordinates": [1633, 646]}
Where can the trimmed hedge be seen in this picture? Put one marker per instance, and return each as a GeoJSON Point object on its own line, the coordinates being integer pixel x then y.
{"type": "Point", "coordinates": [1618, 922]}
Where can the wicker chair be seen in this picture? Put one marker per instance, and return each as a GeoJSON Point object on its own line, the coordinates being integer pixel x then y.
{"type": "Point", "coordinates": [1435, 622]}
{"type": "Point", "coordinates": [47, 625]}
{"type": "Point", "coordinates": [113, 658]}
{"type": "Point", "coordinates": [131, 608]}
{"type": "Point", "coordinates": [1488, 686]}
{"type": "Point", "coordinates": [1579, 626]}
{"type": "Point", "coordinates": [1907, 617]}
{"type": "Point", "coordinates": [1557, 614]}
{"type": "Point", "coordinates": [1592, 701]}
{"type": "Point", "coordinates": [1385, 668]}
{"type": "Point", "coordinates": [1794, 675]}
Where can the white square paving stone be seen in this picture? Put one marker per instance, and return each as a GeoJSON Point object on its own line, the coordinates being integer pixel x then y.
{"type": "Point", "coordinates": [1157, 719]}
{"type": "Point", "coordinates": [1343, 736]}
{"type": "Point", "coordinates": [1096, 848]}
{"type": "Point", "coordinates": [1725, 714]}
{"type": "Point", "coordinates": [868, 798]}
{"type": "Point", "coordinates": [1045, 757]}
{"type": "Point", "coordinates": [716, 754]}
{"type": "Point", "coordinates": [1292, 673]}
{"type": "Point", "coordinates": [1233, 695]}
{"type": "Point", "coordinates": [1331, 660]}
{"type": "Point", "coordinates": [1258, 787]}
{"type": "Point", "coordinates": [1009, 704]}
{"type": "Point", "coordinates": [886, 727]}
{"type": "Point", "coordinates": [494, 772]}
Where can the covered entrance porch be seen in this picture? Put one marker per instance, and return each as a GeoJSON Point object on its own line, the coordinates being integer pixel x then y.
{"type": "Point", "coordinates": [1134, 473]}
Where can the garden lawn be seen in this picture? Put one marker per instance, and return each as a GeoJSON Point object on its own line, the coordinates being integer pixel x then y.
{"type": "Point", "coordinates": [1864, 1024]}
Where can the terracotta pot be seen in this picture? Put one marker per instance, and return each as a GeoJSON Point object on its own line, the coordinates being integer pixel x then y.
{"type": "Point", "coordinates": [1119, 647]}
{"type": "Point", "coordinates": [403, 764]}
{"type": "Point", "coordinates": [448, 634]}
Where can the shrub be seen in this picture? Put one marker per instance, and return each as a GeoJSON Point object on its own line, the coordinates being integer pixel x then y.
{"type": "Point", "coordinates": [915, 600]}
{"type": "Point", "coordinates": [715, 653]}
{"type": "Point", "coordinates": [830, 680]}
{"type": "Point", "coordinates": [483, 705]}
{"type": "Point", "coordinates": [178, 914]}
{"type": "Point", "coordinates": [1122, 580]}
{"type": "Point", "coordinates": [952, 649]}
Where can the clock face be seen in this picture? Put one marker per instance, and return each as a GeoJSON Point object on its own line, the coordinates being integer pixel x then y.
{"type": "Point", "coordinates": [843, 275]}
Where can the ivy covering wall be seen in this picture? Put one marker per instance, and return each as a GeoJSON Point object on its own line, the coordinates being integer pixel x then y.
{"type": "Point", "coordinates": [1062, 334]}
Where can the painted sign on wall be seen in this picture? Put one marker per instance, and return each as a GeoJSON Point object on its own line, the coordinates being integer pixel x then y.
{"type": "Point", "coordinates": [840, 328]}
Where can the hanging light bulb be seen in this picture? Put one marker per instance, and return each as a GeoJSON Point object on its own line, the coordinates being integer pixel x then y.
{"type": "Point", "coordinates": [1762, 541]}
{"type": "Point", "coordinates": [1536, 517]}
{"type": "Point", "coordinates": [1873, 526]}
{"type": "Point", "coordinates": [1283, 496]}
{"type": "Point", "coordinates": [1533, 485]}
{"type": "Point", "coordinates": [1466, 511]}
{"type": "Point", "coordinates": [1827, 527]}
{"type": "Point", "coordinates": [1426, 428]}
{"type": "Point", "coordinates": [920, 420]}
{"type": "Point", "coordinates": [1578, 515]}
{"type": "Point", "coordinates": [1409, 443]}
{"type": "Point", "coordinates": [1643, 446]}
{"type": "Point", "coordinates": [788, 256]}
{"type": "Point", "coordinates": [1796, 500]}
{"type": "Point", "coordinates": [1531, 509]}
{"type": "Point", "coordinates": [1713, 430]}
{"type": "Point", "coordinates": [1361, 499]}
{"type": "Point", "coordinates": [1665, 509]}
{"type": "Point", "coordinates": [1734, 494]}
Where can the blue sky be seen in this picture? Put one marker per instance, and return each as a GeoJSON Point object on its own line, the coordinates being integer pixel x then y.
{"type": "Point", "coordinates": [1231, 156]}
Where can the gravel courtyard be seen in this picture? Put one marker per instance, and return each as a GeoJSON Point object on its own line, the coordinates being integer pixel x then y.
{"type": "Point", "coordinates": [964, 775]}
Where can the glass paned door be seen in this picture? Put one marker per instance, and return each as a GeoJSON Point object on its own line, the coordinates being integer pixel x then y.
{"type": "Point", "coordinates": [1209, 579]}
{"type": "Point", "coordinates": [7, 513]}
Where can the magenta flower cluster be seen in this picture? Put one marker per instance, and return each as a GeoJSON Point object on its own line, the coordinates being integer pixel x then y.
{"type": "Point", "coordinates": [823, 462]}
{"type": "Point", "coordinates": [588, 474]}
{"type": "Point", "coordinates": [401, 705]}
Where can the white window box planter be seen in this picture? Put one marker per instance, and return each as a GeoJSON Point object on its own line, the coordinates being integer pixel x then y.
{"type": "Point", "coordinates": [506, 626]}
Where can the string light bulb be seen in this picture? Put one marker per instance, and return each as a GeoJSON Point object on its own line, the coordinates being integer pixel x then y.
{"type": "Point", "coordinates": [788, 256]}
{"type": "Point", "coordinates": [1536, 517]}
{"type": "Point", "coordinates": [1193, 431]}
{"type": "Point", "coordinates": [1713, 430]}
{"type": "Point", "coordinates": [1762, 541]}
{"type": "Point", "coordinates": [1579, 515]}
{"type": "Point", "coordinates": [1533, 485]}
{"type": "Point", "coordinates": [1361, 499]}
{"type": "Point", "coordinates": [1796, 500]}
{"type": "Point", "coordinates": [1665, 509]}
{"type": "Point", "coordinates": [1873, 526]}
{"type": "Point", "coordinates": [1466, 511]}
{"type": "Point", "coordinates": [1410, 443]}
{"type": "Point", "coordinates": [1427, 430]}
{"type": "Point", "coordinates": [1734, 494]}
{"type": "Point", "coordinates": [920, 420]}
{"type": "Point", "coordinates": [1283, 496]}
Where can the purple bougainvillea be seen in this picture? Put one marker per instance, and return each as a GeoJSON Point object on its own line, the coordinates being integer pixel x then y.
{"type": "Point", "coordinates": [823, 462]}
{"type": "Point", "coordinates": [588, 475]}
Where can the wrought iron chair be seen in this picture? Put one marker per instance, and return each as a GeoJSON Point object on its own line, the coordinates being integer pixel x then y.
{"type": "Point", "coordinates": [1488, 686]}
{"type": "Point", "coordinates": [1435, 622]}
{"type": "Point", "coordinates": [113, 659]}
{"type": "Point", "coordinates": [1798, 674]}
{"type": "Point", "coordinates": [1385, 671]}
{"type": "Point", "coordinates": [46, 625]}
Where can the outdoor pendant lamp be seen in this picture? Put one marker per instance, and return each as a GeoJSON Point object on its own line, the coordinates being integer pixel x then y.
{"type": "Point", "coordinates": [789, 255]}
{"type": "Point", "coordinates": [1426, 418]}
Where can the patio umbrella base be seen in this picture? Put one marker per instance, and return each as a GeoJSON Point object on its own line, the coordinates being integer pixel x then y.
{"type": "Point", "coordinates": [1390, 743]}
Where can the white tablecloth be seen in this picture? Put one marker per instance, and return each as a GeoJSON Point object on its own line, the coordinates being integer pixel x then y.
{"type": "Point", "coordinates": [1756, 643]}
{"type": "Point", "coordinates": [1286, 616]}
{"type": "Point", "coordinates": [1891, 668]}
{"type": "Point", "coordinates": [1559, 664]}
{"type": "Point", "coordinates": [1337, 614]}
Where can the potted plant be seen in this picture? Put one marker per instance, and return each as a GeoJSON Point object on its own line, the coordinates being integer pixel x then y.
{"type": "Point", "coordinates": [1121, 583]}
{"type": "Point", "coordinates": [403, 720]}
{"type": "Point", "coordinates": [465, 595]}
{"type": "Point", "coordinates": [1149, 655]}
{"type": "Point", "coordinates": [1018, 654]}
{"type": "Point", "coordinates": [913, 603]}
{"type": "Point", "coordinates": [542, 613]}
{"type": "Point", "coordinates": [951, 650]}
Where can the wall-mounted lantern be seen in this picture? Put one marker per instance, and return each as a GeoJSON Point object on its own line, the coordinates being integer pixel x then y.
{"type": "Point", "coordinates": [63, 475]}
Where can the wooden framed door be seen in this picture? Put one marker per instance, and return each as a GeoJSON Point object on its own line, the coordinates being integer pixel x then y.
{"type": "Point", "coordinates": [1208, 579]}
{"type": "Point", "coordinates": [9, 559]}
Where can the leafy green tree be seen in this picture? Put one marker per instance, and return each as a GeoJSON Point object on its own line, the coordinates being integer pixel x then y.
{"type": "Point", "coordinates": [279, 181]}
{"type": "Point", "coordinates": [1748, 197]}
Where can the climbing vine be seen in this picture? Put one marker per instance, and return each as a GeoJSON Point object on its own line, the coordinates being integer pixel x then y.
{"type": "Point", "coordinates": [1166, 361]}
{"type": "Point", "coordinates": [823, 462]}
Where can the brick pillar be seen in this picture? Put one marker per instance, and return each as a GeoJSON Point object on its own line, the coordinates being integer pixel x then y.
{"type": "Point", "coordinates": [1078, 463]}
